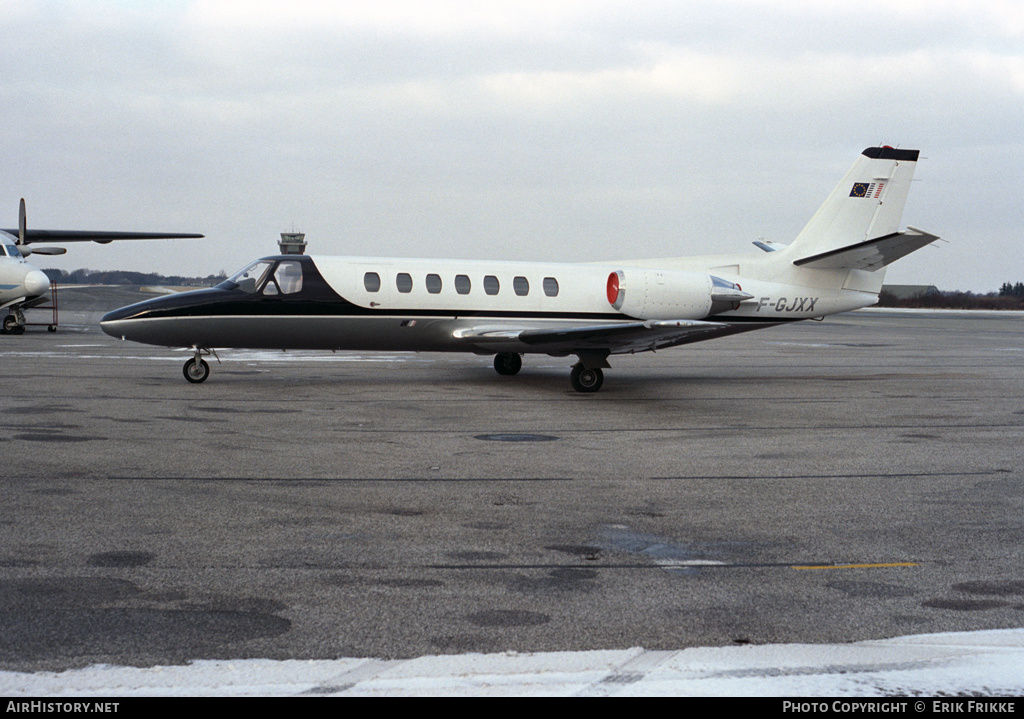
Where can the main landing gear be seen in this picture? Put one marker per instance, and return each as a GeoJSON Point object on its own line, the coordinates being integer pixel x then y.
{"type": "Point", "coordinates": [586, 375]}
{"type": "Point", "coordinates": [585, 379]}
{"type": "Point", "coordinates": [14, 324]}
{"type": "Point", "coordinates": [196, 370]}
{"type": "Point", "coordinates": [507, 363]}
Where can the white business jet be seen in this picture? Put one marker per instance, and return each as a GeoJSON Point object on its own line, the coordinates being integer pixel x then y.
{"type": "Point", "coordinates": [508, 309]}
{"type": "Point", "coordinates": [23, 286]}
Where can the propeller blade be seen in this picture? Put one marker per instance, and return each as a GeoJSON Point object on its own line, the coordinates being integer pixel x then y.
{"type": "Point", "coordinates": [22, 223]}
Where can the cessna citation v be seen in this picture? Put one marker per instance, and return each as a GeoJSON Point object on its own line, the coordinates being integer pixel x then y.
{"type": "Point", "coordinates": [508, 309]}
{"type": "Point", "coordinates": [23, 286]}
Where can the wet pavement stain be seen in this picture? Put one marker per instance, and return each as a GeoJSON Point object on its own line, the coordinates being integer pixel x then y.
{"type": "Point", "coordinates": [563, 579]}
{"type": "Point", "coordinates": [66, 617]}
{"type": "Point", "coordinates": [516, 437]}
{"type": "Point", "coordinates": [964, 605]}
{"type": "Point", "coordinates": [671, 555]}
{"type": "Point", "coordinates": [994, 588]}
{"type": "Point", "coordinates": [46, 437]}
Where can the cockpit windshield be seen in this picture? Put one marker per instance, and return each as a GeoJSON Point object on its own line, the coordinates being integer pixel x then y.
{"type": "Point", "coordinates": [249, 279]}
{"type": "Point", "coordinates": [285, 280]}
{"type": "Point", "coordinates": [10, 250]}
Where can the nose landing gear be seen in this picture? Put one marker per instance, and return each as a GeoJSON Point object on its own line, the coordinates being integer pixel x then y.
{"type": "Point", "coordinates": [196, 370]}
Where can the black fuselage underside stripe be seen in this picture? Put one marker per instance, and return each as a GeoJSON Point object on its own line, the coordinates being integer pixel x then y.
{"type": "Point", "coordinates": [259, 308]}
{"type": "Point", "coordinates": [249, 309]}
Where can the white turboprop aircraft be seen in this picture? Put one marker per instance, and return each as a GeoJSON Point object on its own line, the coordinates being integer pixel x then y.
{"type": "Point", "coordinates": [23, 286]}
{"type": "Point", "coordinates": [508, 309]}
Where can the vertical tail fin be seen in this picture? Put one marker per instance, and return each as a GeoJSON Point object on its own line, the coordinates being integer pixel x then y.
{"type": "Point", "coordinates": [866, 204]}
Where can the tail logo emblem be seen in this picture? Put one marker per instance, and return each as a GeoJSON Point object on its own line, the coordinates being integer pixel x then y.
{"type": "Point", "coordinates": [867, 189]}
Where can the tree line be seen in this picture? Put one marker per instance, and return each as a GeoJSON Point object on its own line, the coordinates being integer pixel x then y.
{"type": "Point", "coordinates": [1008, 290]}
{"type": "Point", "coordinates": [1009, 297]}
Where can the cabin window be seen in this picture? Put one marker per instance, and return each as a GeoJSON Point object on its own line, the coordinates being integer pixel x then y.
{"type": "Point", "coordinates": [551, 287]}
{"type": "Point", "coordinates": [289, 277]}
{"type": "Point", "coordinates": [404, 282]}
{"type": "Point", "coordinates": [521, 286]}
{"type": "Point", "coordinates": [371, 281]}
{"type": "Point", "coordinates": [462, 284]}
{"type": "Point", "coordinates": [433, 284]}
{"type": "Point", "coordinates": [491, 285]}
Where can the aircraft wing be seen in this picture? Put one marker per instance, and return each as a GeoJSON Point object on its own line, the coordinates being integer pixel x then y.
{"type": "Point", "coordinates": [617, 338]}
{"type": "Point", "coordinates": [95, 236]}
{"type": "Point", "coordinates": [870, 255]}
{"type": "Point", "coordinates": [25, 236]}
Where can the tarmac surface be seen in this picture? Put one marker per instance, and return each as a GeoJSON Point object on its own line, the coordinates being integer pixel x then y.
{"type": "Point", "coordinates": [854, 479]}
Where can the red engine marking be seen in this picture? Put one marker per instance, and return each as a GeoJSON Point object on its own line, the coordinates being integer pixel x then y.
{"type": "Point", "coordinates": [613, 287]}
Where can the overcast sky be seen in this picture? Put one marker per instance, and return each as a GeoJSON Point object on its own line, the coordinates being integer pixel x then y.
{"type": "Point", "coordinates": [549, 130]}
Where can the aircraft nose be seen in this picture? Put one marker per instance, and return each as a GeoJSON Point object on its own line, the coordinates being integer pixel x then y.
{"type": "Point", "coordinates": [36, 283]}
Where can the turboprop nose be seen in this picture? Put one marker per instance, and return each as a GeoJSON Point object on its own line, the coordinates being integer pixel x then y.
{"type": "Point", "coordinates": [36, 283]}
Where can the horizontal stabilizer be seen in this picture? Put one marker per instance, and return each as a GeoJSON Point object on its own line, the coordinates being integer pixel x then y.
{"type": "Point", "coordinates": [871, 254]}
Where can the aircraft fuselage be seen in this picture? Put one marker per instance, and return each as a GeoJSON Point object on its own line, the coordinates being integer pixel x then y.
{"type": "Point", "coordinates": [448, 305]}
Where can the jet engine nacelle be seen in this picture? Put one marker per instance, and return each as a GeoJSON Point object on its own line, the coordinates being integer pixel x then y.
{"type": "Point", "coordinates": [671, 294]}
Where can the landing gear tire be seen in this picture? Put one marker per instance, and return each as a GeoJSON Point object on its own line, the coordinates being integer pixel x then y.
{"type": "Point", "coordinates": [507, 363]}
{"type": "Point", "coordinates": [586, 380]}
{"type": "Point", "coordinates": [196, 371]}
{"type": "Point", "coordinates": [12, 326]}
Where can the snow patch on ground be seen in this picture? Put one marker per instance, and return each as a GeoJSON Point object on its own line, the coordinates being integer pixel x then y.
{"type": "Point", "coordinates": [986, 663]}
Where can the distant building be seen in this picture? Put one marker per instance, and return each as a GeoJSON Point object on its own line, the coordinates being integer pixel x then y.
{"type": "Point", "coordinates": [906, 292]}
{"type": "Point", "coordinates": [292, 243]}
